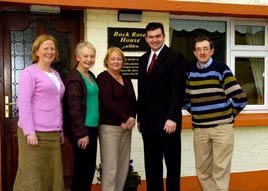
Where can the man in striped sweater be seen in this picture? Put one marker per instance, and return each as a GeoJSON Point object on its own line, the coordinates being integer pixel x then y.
{"type": "Point", "coordinates": [214, 98]}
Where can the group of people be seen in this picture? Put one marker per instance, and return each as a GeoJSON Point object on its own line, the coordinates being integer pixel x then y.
{"type": "Point", "coordinates": [83, 107]}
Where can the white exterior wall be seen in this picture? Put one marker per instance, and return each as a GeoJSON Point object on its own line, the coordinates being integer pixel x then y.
{"type": "Point", "coordinates": [251, 143]}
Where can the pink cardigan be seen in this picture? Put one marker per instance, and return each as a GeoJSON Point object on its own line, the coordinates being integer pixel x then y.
{"type": "Point", "coordinates": [39, 101]}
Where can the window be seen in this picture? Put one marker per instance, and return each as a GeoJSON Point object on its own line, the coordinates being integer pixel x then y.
{"type": "Point", "coordinates": [249, 35]}
{"type": "Point", "coordinates": [249, 56]}
{"type": "Point", "coordinates": [183, 32]}
{"type": "Point", "coordinates": [250, 73]}
{"type": "Point", "coordinates": [240, 43]}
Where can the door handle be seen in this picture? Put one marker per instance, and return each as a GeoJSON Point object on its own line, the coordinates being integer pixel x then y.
{"type": "Point", "coordinates": [7, 104]}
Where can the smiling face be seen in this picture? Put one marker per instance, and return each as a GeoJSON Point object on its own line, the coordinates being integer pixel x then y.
{"type": "Point", "coordinates": [203, 52]}
{"type": "Point", "coordinates": [155, 39]}
{"type": "Point", "coordinates": [114, 62]}
{"type": "Point", "coordinates": [46, 52]}
{"type": "Point", "coordinates": [86, 57]}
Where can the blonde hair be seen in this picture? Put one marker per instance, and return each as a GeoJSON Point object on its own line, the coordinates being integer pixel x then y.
{"type": "Point", "coordinates": [110, 51]}
{"type": "Point", "coordinates": [40, 40]}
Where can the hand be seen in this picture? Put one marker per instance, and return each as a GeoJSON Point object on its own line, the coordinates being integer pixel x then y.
{"type": "Point", "coordinates": [32, 139]}
{"type": "Point", "coordinates": [123, 125]}
{"type": "Point", "coordinates": [83, 142]}
{"type": "Point", "coordinates": [62, 140]}
{"type": "Point", "coordinates": [139, 126]}
{"type": "Point", "coordinates": [170, 126]}
{"type": "Point", "coordinates": [130, 122]}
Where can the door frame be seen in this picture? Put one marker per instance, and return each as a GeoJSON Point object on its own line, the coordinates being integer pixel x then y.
{"type": "Point", "coordinates": [2, 97]}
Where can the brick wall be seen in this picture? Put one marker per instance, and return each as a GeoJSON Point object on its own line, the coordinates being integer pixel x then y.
{"type": "Point", "coordinates": [251, 143]}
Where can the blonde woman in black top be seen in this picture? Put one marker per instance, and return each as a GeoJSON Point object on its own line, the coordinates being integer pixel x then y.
{"type": "Point", "coordinates": [117, 118]}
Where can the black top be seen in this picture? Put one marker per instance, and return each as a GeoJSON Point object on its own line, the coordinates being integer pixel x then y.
{"type": "Point", "coordinates": [117, 101]}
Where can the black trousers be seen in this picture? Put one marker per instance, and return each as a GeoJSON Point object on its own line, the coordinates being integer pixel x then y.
{"type": "Point", "coordinates": [85, 163]}
{"type": "Point", "coordinates": [159, 147]}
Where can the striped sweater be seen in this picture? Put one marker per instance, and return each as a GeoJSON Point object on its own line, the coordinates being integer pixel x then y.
{"type": "Point", "coordinates": [212, 95]}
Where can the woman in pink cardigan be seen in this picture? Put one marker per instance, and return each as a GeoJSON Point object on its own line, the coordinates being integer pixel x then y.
{"type": "Point", "coordinates": [40, 121]}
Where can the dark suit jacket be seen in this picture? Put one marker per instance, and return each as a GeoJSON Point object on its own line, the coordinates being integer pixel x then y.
{"type": "Point", "coordinates": [160, 94]}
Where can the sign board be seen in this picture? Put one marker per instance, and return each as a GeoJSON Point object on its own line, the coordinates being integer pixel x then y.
{"type": "Point", "coordinates": [131, 67]}
{"type": "Point", "coordinates": [127, 39]}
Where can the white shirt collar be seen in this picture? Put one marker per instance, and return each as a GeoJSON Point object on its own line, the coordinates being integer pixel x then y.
{"type": "Point", "coordinates": [157, 52]}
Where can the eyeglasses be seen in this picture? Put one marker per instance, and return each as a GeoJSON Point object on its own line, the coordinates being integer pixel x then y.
{"type": "Point", "coordinates": [204, 49]}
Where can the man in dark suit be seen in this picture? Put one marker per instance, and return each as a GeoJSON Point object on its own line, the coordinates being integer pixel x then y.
{"type": "Point", "coordinates": [160, 98]}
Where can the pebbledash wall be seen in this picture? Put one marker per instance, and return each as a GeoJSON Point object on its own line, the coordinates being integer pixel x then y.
{"type": "Point", "coordinates": [251, 143]}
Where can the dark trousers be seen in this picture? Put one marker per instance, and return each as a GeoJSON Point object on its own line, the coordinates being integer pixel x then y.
{"type": "Point", "coordinates": [157, 147]}
{"type": "Point", "coordinates": [85, 162]}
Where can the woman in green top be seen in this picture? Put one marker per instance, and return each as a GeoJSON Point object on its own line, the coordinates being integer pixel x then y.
{"type": "Point", "coordinates": [81, 116]}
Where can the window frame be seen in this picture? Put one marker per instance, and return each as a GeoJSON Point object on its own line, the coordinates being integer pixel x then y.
{"type": "Point", "coordinates": [251, 51]}
{"type": "Point", "coordinates": [250, 54]}
{"type": "Point", "coordinates": [249, 22]}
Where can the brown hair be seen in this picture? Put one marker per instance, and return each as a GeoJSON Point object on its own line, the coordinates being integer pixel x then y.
{"type": "Point", "coordinates": [110, 51]}
{"type": "Point", "coordinates": [40, 40]}
{"type": "Point", "coordinates": [153, 26]}
{"type": "Point", "coordinates": [203, 38]}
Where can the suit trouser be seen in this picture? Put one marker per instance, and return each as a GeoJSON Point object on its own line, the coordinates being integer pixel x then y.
{"type": "Point", "coordinates": [157, 147]}
{"type": "Point", "coordinates": [85, 162]}
{"type": "Point", "coordinates": [115, 147]}
{"type": "Point", "coordinates": [213, 153]}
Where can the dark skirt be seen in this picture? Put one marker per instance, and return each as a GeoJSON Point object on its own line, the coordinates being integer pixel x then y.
{"type": "Point", "coordinates": [40, 167]}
